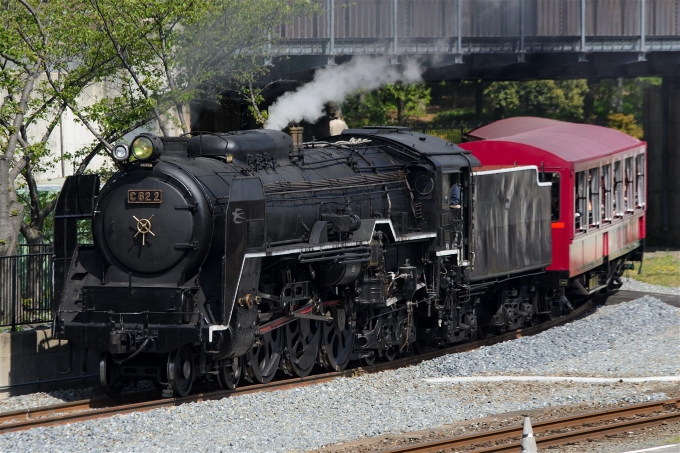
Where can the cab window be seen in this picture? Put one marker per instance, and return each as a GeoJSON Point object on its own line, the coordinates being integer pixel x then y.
{"type": "Point", "coordinates": [445, 191]}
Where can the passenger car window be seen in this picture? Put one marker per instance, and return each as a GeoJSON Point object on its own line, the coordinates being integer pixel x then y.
{"type": "Point", "coordinates": [581, 200]}
{"type": "Point", "coordinates": [629, 188]}
{"type": "Point", "coordinates": [640, 195]}
{"type": "Point", "coordinates": [607, 193]}
{"type": "Point", "coordinates": [594, 206]}
{"type": "Point", "coordinates": [618, 190]}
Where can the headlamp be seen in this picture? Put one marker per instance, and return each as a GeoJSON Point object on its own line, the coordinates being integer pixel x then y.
{"type": "Point", "coordinates": [142, 147]}
{"type": "Point", "coordinates": [121, 152]}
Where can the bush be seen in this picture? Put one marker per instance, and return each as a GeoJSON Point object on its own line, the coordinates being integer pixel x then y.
{"type": "Point", "coordinates": [626, 124]}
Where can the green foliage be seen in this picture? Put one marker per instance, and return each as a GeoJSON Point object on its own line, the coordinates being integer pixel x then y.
{"type": "Point", "coordinates": [256, 99]}
{"type": "Point", "coordinates": [175, 52]}
{"type": "Point", "coordinates": [456, 115]}
{"type": "Point", "coordinates": [610, 94]}
{"type": "Point", "coordinates": [391, 104]}
{"type": "Point", "coordinates": [153, 57]}
{"type": "Point", "coordinates": [625, 123]}
{"type": "Point", "coordinates": [546, 98]}
{"type": "Point", "coordinates": [364, 108]}
{"type": "Point", "coordinates": [48, 223]}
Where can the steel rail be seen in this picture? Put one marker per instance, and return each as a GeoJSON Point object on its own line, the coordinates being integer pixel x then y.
{"type": "Point", "coordinates": [574, 423]}
{"type": "Point", "coordinates": [82, 410]}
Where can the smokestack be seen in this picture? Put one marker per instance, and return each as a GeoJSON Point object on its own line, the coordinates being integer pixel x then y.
{"type": "Point", "coordinates": [296, 135]}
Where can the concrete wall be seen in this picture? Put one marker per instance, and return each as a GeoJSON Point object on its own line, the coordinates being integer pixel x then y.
{"type": "Point", "coordinates": [33, 361]}
{"type": "Point", "coordinates": [662, 133]}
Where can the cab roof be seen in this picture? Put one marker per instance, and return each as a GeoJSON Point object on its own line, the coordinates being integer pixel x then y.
{"type": "Point", "coordinates": [442, 154]}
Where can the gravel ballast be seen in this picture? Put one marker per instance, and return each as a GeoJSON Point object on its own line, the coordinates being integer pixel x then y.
{"type": "Point", "coordinates": [639, 338]}
{"type": "Point", "coordinates": [630, 284]}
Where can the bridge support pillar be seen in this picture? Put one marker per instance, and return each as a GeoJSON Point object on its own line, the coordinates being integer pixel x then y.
{"type": "Point", "coordinates": [662, 134]}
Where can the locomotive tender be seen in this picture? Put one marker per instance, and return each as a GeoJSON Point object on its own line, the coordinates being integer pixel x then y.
{"type": "Point", "coordinates": [598, 199]}
{"type": "Point", "coordinates": [232, 254]}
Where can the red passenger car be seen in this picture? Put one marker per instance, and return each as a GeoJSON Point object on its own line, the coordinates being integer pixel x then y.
{"type": "Point", "coordinates": [598, 193]}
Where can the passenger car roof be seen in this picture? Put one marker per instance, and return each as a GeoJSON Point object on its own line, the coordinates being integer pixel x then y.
{"type": "Point", "coordinates": [569, 141]}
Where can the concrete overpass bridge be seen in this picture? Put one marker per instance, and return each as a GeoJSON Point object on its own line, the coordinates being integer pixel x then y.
{"type": "Point", "coordinates": [491, 39]}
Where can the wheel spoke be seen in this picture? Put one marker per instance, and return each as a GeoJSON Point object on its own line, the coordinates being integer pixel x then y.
{"type": "Point", "coordinates": [302, 342]}
{"type": "Point", "coordinates": [229, 374]}
{"type": "Point", "coordinates": [338, 341]}
{"type": "Point", "coordinates": [263, 361]}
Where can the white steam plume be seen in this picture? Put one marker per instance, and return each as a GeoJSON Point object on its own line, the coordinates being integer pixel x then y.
{"type": "Point", "coordinates": [334, 84]}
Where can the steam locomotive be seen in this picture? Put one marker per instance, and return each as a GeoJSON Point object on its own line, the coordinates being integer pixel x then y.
{"type": "Point", "coordinates": [240, 254]}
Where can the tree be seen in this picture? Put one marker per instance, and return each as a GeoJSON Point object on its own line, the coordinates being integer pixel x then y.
{"type": "Point", "coordinates": [551, 98]}
{"type": "Point", "coordinates": [192, 50]}
{"type": "Point", "coordinates": [626, 124]}
{"type": "Point", "coordinates": [393, 103]}
{"type": "Point", "coordinates": [156, 55]}
{"type": "Point", "coordinates": [623, 96]}
{"type": "Point", "coordinates": [48, 54]}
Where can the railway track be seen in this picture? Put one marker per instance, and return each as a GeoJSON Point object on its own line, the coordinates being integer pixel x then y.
{"type": "Point", "coordinates": [559, 431]}
{"type": "Point", "coordinates": [624, 296]}
{"type": "Point", "coordinates": [144, 401]}
{"type": "Point", "coordinates": [75, 411]}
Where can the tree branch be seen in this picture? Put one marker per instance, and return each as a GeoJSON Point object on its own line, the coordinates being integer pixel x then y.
{"type": "Point", "coordinates": [130, 70]}
{"type": "Point", "coordinates": [53, 124]}
{"type": "Point", "coordinates": [19, 116]}
{"type": "Point", "coordinates": [32, 191]}
{"type": "Point", "coordinates": [37, 21]}
{"type": "Point", "coordinates": [75, 111]}
{"type": "Point", "coordinates": [171, 81]}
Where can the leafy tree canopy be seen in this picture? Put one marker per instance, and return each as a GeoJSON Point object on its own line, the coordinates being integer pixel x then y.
{"type": "Point", "coordinates": [391, 104]}
{"type": "Point", "coordinates": [547, 98]}
{"type": "Point", "coordinates": [153, 56]}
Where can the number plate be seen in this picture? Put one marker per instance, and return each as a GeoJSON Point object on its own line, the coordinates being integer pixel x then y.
{"type": "Point", "coordinates": [145, 196]}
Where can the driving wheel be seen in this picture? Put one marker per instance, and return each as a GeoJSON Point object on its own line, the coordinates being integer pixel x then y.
{"type": "Point", "coordinates": [369, 359]}
{"type": "Point", "coordinates": [337, 344]}
{"type": "Point", "coordinates": [181, 371]}
{"type": "Point", "coordinates": [108, 376]}
{"type": "Point", "coordinates": [262, 360]}
{"type": "Point", "coordinates": [390, 353]}
{"type": "Point", "coordinates": [303, 338]}
{"type": "Point", "coordinates": [229, 373]}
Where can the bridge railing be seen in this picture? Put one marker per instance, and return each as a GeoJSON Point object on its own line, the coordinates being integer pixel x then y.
{"type": "Point", "coordinates": [459, 23]}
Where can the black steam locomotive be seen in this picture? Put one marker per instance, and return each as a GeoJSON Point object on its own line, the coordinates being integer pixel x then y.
{"type": "Point", "coordinates": [227, 254]}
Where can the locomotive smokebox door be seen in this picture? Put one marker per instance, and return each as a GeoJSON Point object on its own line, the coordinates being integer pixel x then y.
{"type": "Point", "coordinates": [245, 233]}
